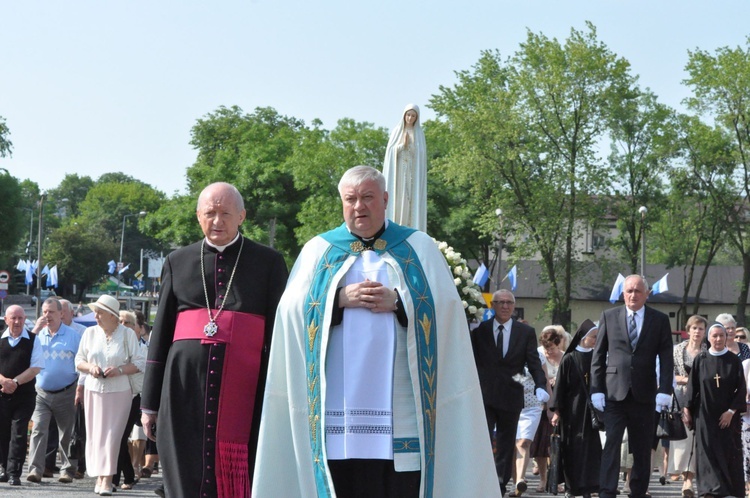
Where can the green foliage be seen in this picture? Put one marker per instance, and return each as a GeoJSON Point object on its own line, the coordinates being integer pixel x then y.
{"type": "Point", "coordinates": [174, 224]}
{"type": "Point", "coordinates": [525, 132]}
{"type": "Point", "coordinates": [250, 151]}
{"type": "Point", "coordinates": [11, 222]}
{"type": "Point", "coordinates": [81, 251]}
{"type": "Point", "coordinates": [6, 146]}
{"type": "Point", "coordinates": [644, 141]}
{"type": "Point", "coordinates": [74, 188]}
{"type": "Point", "coordinates": [318, 163]}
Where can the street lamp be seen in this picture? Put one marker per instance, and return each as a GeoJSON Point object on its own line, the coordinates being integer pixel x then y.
{"type": "Point", "coordinates": [499, 214]}
{"type": "Point", "coordinates": [643, 210]}
{"type": "Point", "coordinates": [122, 235]}
{"type": "Point", "coordinates": [122, 244]}
{"type": "Point", "coordinates": [39, 255]}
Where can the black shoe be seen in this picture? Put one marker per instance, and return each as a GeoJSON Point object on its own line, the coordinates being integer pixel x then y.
{"type": "Point", "coordinates": [160, 491]}
{"type": "Point", "coordinates": [3, 475]}
{"type": "Point", "coordinates": [663, 480]}
{"type": "Point", "coordinates": [14, 481]}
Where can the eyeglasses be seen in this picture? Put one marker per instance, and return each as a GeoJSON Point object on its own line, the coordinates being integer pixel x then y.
{"type": "Point", "coordinates": [127, 323]}
{"type": "Point", "coordinates": [740, 337]}
{"type": "Point", "coordinates": [504, 303]}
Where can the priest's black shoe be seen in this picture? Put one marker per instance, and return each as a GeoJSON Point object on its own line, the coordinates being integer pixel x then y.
{"type": "Point", "coordinates": [3, 475]}
{"type": "Point", "coordinates": [14, 481]}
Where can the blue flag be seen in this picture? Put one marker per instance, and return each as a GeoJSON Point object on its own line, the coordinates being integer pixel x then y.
{"type": "Point", "coordinates": [111, 266]}
{"type": "Point", "coordinates": [481, 276]}
{"type": "Point", "coordinates": [513, 278]}
{"type": "Point", "coordinates": [660, 286]}
{"type": "Point", "coordinates": [617, 289]}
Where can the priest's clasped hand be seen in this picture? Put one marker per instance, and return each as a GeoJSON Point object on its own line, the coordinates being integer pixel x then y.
{"type": "Point", "coordinates": [597, 399]}
{"type": "Point", "coordinates": [662, 402]}
{"type": "Point", "coordinates": [542, 395]}
{"type": "Point", "coordinates": [368, 294]}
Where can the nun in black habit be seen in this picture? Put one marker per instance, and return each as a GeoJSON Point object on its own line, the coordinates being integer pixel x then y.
{"type": "Point", "coordinates": [581, 446]}
{"type": "Point", "coordinates": [716, 396]}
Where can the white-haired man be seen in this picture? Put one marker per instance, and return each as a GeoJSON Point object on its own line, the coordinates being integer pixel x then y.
{"type": "Point", "coordinates": [371, 388]}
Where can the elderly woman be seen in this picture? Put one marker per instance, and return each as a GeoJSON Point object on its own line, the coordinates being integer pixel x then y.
{"type": "Point", "coordinates": [405, 171]}
{"type": "Point", "coordinates": [730, 325]}
{"type": "Point", "coordinates": [124, 462]}
{"type": "Point", "coordinates": [684, 354]}
{"type": "Point", "coordinates": [716, 392]}
{"type": "Point", "coordinates": [553, 340]}
{"type": "Point", "coordinates": [108, 353]}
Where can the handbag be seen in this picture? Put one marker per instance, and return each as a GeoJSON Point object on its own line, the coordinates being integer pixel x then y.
{"type": "Point", "coordinates": [136, 379]}
{"type": "Point", "coordinates": [554, 470]}
{"type": "Point", "coordinates": [597, 423]}
{"type": "Point", "coordinates": [670, 426]}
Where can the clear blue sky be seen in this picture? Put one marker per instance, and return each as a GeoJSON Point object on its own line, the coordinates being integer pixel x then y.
{"type": "Point", "coordinates": [98, 86]}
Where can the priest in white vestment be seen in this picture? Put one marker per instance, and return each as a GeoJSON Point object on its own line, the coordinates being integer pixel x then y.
{"type": "Point", "coordinates": [371, 382]}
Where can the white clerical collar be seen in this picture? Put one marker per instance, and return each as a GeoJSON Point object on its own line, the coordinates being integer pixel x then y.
{"type": "Point", "coordinates": [221, 248]}
{"type": "Point", "coordinates": [718, 353]}
{"type": "Point", "coordinates": [386, 227]}
{"type": "Point", "coordinates": [583, 350]}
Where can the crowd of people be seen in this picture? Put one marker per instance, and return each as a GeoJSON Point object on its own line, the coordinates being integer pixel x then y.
{"type": "Point", "coordinates": [73, 384]}
{"type": "Point", "coordinates": [354, 375]}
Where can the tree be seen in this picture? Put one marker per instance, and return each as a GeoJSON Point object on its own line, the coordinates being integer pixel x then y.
{"type": "Point", "coordinates": [6, 146]}
{"type": "Point", "coordinates": [74, 188]}
{"type": "Point", "coordinates": [250, 151]}
{"type": "Point", "coordinates": [721, 90]}
{"type": "Point", "coordinates": [11, 223]}
{"type": "Point", "coordinates": [526, 131]}
{"type": "Point", "coordinates": [318, 163]}
{"type": "Point", "coordinates": [643, 142]}
{"type": "Point", "coordinates": [81, 251]}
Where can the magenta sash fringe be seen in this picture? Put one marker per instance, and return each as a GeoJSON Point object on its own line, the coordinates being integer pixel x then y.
{"type": "Point", "coordinates": [243, 333]}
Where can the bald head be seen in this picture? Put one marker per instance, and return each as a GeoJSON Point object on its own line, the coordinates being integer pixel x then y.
{"type": "Point", "coordinates": [220, 212]}
{"type": "Point", "coordinates": [15, 318]}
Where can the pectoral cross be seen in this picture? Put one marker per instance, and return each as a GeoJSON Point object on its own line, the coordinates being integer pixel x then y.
{"type": "Point", "coordinates": [716, 378]}
{"type": "Point", "coordinates": [586, 378]}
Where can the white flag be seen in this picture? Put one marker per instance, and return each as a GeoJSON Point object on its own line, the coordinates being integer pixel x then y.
{"type": "Point", "coordinates": [660, 286]}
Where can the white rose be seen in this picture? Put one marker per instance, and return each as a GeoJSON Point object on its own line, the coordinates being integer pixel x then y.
{"type": "Point", "coordinates": [466, 305]}
{"type": "Point", "coordinates": [466, 290]}
{"type": "Point", "coordinates": [457, 281]}
{"type": "Point", "coordinates": [473, 310]}
{"type": "Point", "coordinates": [443, 246]}
{"type": "Point", "coordinates": [457, 271]}
{"type": "Point", "coordinates": [466, 275]}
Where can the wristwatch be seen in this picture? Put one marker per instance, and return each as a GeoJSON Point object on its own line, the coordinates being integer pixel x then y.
{"type": "Point", "coordinates": [16, 381]}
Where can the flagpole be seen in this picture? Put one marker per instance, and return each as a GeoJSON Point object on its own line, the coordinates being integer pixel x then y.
{"type": "Point", "coordinates": [643, 210]}
{"type": "Point", "coordinates": [499, 213]}
{"type": "Point", "coordinates": [39, 256]}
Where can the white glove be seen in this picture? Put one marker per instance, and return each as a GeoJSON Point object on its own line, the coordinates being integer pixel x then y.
{"type": "Point", "coordinates": [662, 402]}
{"type": "Point", "coordinates": [542, 395]}
{"type": "Point", "coordinates": [597, 399]}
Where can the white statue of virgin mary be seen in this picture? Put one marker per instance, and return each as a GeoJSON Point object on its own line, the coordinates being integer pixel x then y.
{"type": "Point", "coordinates": [405, 171]}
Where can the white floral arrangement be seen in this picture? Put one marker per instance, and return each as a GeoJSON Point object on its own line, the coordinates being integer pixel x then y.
{"type": "Point", "coordinates": [470, 293]}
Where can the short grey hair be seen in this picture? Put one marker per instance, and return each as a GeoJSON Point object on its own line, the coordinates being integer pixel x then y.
{"type": "Point", "coordinates": [640, 277]}
{"type": "Point", "coordinates": [503, 291]}
{"type": "Point", "coordinates": [726, 318]}
{"type": "Point", "coordinates": [67, 304]}
{"type": "Point", "coordinates": [55, 301]}
{"type": "Point", "coordinates": [357, 175]}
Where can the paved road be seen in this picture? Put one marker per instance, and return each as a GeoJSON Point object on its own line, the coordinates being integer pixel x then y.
{"type": "Point", "coordinates": [669, 490]}
{"type": "Point", "coordinates": [79, 488]}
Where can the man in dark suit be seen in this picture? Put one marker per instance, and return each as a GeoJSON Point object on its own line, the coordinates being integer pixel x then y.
{"type": "Point", "coordinates": [624, 383]}
{"type": "Point", "coordinates": [502, 347]}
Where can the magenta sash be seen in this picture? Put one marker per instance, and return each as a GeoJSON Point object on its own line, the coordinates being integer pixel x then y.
{"type": "Point", "coordinates": [243, 334]}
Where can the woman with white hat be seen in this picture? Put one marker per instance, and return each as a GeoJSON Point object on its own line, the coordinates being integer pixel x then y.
{"type": "Point", "coordinates": [108, 353]}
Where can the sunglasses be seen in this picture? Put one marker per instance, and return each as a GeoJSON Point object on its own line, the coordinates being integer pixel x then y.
{"type": "Point", "coordinates": [740, 337]}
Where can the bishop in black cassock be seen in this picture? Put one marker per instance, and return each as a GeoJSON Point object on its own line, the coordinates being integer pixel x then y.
{"type": "Point", "coordinates": [206, 368]}
{"type": "Point", "coordinates": [716, 396]}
